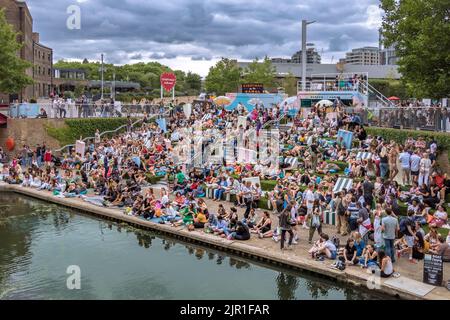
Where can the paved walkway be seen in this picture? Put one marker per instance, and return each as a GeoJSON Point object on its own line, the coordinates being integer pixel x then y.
{"type": "Point", "coordinates": [408, 285]}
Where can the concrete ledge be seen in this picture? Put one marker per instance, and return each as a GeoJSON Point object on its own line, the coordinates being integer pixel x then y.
{"type": "Point", "coordinates": [289, 259]}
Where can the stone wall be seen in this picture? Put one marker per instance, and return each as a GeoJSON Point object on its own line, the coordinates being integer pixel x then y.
{"type": "Point", "coordinates": [29, 132]}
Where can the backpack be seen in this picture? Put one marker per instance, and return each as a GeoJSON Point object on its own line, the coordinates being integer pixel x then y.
{"type": "Point", "coordinates": [340, 210]}
{"type": "Point", "coordinates": [336, 241]}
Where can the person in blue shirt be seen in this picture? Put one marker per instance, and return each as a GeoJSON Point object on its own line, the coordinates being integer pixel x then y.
{"type": "Point", "coordinates": [221, 189]}
{"type": "Point", "coordinates": [359, 243]}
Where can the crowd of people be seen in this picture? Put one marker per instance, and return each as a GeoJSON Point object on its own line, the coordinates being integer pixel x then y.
{"type": "Point", "coordinates": [381, 216]}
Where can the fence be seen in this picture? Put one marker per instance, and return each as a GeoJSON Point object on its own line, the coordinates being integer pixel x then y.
{"type": "Point", "coordinates": [77, 110]}
{"type": "Point", "coordinates": [416, 118]}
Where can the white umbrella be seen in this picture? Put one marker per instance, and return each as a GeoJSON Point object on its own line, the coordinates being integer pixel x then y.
{"type": "Point", "coordinates": [325, 103]}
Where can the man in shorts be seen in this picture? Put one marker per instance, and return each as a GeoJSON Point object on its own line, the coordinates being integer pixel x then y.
{"type": "Point", "coordinates": [415, 166]}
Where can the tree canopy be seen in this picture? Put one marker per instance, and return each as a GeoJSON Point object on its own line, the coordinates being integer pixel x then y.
{"type": "Point", "coordinates": [223, 77]}
{"type": "Point", "coordinates": [13, 77]}
{"type": "Point", "coordinates": [260, 72]}
{"type": "Point", "coordinates": [146, 74]}
{"type": "Point", "coordinates": [420, 31]}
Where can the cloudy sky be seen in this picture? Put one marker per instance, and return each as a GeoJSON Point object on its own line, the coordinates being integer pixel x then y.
{"type": "Point", "coordinates": [192, 35]}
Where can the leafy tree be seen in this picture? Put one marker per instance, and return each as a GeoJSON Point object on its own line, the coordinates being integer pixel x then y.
{"type": "Point", "coordinates": [223, 77]}
{"type": "Point", "coordinates": [260, 72]}
{"type": "Point", "coordinates": [13, 77]}
{"type": "Point", "coordinates": [420, 30]}
{"type": "Point", "coordinates": [289, 84]}
{"type": "Point", "coordinates": [193, 81]}
{"type": "Point", "coordinates": [79, 90]}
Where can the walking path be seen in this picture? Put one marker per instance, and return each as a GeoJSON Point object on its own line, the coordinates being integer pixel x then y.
{"type": "Point", "coordinates": [409, 285]}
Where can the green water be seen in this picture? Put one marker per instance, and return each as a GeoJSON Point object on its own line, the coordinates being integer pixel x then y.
{"type": "Point", "coordinates": [38, 241]}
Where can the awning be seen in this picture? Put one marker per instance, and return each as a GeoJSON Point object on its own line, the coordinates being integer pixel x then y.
{"type": "Point", "coordinates": [3, 119]}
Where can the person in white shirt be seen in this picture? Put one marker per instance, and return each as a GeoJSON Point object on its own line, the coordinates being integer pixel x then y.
{"type": "Point", "coordinates": [415, 166]}
{"type": "Point", "coordinates": [309, 199]}
{"type": "Point", "coordinates": [424, 171]}
{"type": "Point", "coordinates": [405, 160]}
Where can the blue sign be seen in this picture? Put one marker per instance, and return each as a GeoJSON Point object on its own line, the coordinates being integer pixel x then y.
{"type": "Point", "coordinates": [345, 138]}
{"type": "Point", "coordinates": [28, 110]}
{"type": "Point", "coordinates": [162, 124]}
{"type": "Point", "coordinates": [250, 101]}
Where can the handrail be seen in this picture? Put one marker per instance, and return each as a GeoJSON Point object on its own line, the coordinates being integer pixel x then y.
{"type": "Point", "coordinates": [378, 94]}
{"type": "Point", "coordinates": [112, 131]}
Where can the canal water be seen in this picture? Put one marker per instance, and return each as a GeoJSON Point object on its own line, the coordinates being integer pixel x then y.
{"type": "Point", "coordinates": [40, 241]}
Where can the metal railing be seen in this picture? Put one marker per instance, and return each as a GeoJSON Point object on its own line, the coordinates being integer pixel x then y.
{"type": "Point", "coordinates": [78, 110]}
{"type": "Point", "coordinates": [415, 118]}
{"type": "Point", "coordinates": [113, 131]}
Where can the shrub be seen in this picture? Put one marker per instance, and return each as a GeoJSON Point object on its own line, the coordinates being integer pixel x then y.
{"type": "Point", "coordinates": [83, 127]}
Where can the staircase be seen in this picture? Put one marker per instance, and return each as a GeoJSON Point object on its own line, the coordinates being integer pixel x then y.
{"type": "Point", "coordinates": [376, 99]}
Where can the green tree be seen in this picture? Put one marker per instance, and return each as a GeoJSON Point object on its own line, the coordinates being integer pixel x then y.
{"type": "Point", "coordinates": [193, 81]}
{"type": "Point", "coordinates": [260, 72]}
{"type": "Point", "coordinates": [420, 31]}
{"type": "Point", "coordinates": [289, 84]}
{"type": "Point", "coordinates": [13, 77]}
{"type": "Point", "coordinates": [79, 90]}
{"type": "Point", "coordinates": [223, 77]}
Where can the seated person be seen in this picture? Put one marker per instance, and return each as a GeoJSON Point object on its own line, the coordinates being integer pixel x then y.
{"type": "Point", "coordinates": [326, 248]}
{"type": "Point", "coordinates": [349, 255]}
{"type": "Point", "coordinates": [369, 257]}
{"type": "Point", "coordinates": [439, 218]}
{"type": "Point", "coordinates": [385, 262]}
{"type": "Point", "coordinates": [242, 232]}
{"type": "Point", "coordinates": [442, 249]}
{"type": "Point", "coordinates": [200, 219]}
{"type": "Point", "coordinates": [263, 226]}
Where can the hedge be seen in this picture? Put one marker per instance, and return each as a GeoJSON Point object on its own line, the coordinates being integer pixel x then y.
{"type": "Point", "coordinates": [74, 128]}
{"type": "Point", "coordinates": [400, 136]}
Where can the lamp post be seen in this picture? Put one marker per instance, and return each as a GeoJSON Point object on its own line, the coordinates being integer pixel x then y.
{"type": "Point", "coordinates": [102, 77]}
{"type": "Point", "coordinates": [304, 24]}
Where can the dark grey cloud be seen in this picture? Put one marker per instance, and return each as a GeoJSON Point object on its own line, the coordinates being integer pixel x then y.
{"type": "Point", "coordinates": [202, 29]}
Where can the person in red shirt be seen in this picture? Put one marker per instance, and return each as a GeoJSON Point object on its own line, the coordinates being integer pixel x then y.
{"type": "Point", "coordinates": [440, 181]}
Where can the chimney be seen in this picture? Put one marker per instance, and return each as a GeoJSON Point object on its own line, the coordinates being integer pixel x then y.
{"type": "Point", "coordinates": [36, 37]}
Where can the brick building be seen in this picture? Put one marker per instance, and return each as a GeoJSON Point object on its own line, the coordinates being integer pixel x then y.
{"type": "Point", "coordinates": [40, 56]}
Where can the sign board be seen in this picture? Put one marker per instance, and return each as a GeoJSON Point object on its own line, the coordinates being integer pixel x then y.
{"type": "Point", "coordinates": [168, 81]}
{"type": "Point", "coordinates": [346, 137]}
{"type": "Point", "coordinates": [433, 268]}
{"type": "Point", "coordinates": [80, 147]}
{"type": "Point", "coordinates": [252, 88]}
{"type": "Point", "coordinates": [253, 180]}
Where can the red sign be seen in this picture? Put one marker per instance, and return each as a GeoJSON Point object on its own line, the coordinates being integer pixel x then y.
{"type": "Point", "coordinates": [168, 81]}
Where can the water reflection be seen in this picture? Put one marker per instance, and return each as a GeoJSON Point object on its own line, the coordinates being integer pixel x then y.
{"type": "Point", "coordinates": [287, 285]}
{"type": "Point", "coordinates": [27, 224]}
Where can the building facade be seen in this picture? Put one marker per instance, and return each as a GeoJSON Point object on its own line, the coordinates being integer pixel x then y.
{"type": "Point", "coordinates": [312, 57]}
{"type": "Point", "coordinates": [366, 56]}
{"type": "Point", "coordinates": [40, 56]}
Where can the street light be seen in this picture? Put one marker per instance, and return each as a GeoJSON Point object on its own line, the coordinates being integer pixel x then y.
{"type": "Point", "coordinates": [304, 24]}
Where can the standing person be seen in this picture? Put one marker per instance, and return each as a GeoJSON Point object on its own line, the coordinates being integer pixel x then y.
{"type": "Point", "coordinates": [84, 107]}
{"type": "Point", "coordinates": [62, 109]}
{"type": "Point", "coordinates": [342, 223]}
{"type": "Point", "coordinates": [424, 171]}
{"type": "Point", "coordinates": [407, 228]}
{"type": "Point", "coordinates": [393, 153]}
{"type": "Point", "coordinates": [415, 166]}
{"type": "Point", "coordinates": [286, 226]}
{"type": "Point", "coordinates": [389, 228]}
{"type": "Point", "coordinates": [97, 137]}
{"type": "Point", "coordinates": [352, 213]}
{"type": "Point", "coordinates": [39, 155]}
{"type": "Point", "coordinates": [363, 221]}
{"type": "Point", "coordinates": [384, 162]}
{"type": "Point", "coordinates": [368, 188]}
{"type": "Point", "coordinates": [48, 157]}
{"type": "Point", "coordinates": [309, 199]}
{"type": "Point", "coordinates": [315, 221]}
{"type": "Point", "coordinates": [314, 155]}
{"type": "Point", "coordinates": [405, 160]}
